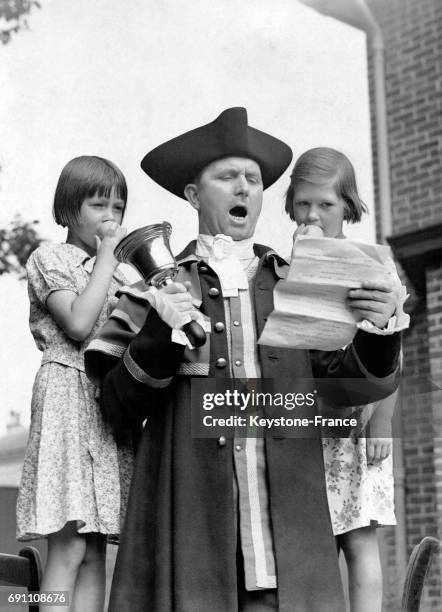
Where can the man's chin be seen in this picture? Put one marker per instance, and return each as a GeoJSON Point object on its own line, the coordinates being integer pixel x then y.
{"type": "Point", "coordinates": [239, 232]}
{"type": "Point", "coordinates": [236, 233]}
{"type": "Point", "coordinates": [239, 235]}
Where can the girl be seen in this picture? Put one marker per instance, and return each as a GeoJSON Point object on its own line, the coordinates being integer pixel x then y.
{"type": "Point", "coordinates": [359, 475]}
{"type": "Point", "coordinates": [74, 484]}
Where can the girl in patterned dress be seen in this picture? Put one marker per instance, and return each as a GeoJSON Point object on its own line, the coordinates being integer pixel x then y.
{"type": "Point", "coordinates": [359, 473]}
{"type": "Point", "coordinates": [74, 483]}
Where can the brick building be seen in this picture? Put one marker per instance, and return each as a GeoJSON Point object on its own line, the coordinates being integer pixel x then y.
{"type": "Point", "coordinates": [412, 33]}
{"type": "Point", "coordinates": [407, 35]}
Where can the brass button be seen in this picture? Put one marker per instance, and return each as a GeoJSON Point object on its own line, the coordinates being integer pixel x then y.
{"type": "Point", "coordinates": [238, 447]}
{"type": "Point", "coordinates": [222, 441]}
{"type": "Point", "coordinates": [221, 363]}
{"type": "Point", "coordinates": [236, 323]}
{"type": "Point", "coordinates": [238, 362]}
{"type": "Point", "coordinates": [213, 292]}
{"type": "Point", "coordinates": [219, 327]}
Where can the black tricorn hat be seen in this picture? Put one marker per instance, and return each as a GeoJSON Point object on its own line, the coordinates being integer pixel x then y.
{"type": "Point", "coordinates": [177, 162]}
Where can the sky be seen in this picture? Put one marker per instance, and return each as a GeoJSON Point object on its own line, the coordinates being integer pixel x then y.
{"type": "Point", "coordinates": [116, 79]}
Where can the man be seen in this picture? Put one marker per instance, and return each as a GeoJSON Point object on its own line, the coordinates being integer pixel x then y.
{"type": "Point", "coordinates": [219, 524]}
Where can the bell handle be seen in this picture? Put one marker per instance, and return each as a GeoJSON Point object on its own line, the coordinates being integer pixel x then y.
{"type": "Point", "coordinates": [195, 333]}
{"type": "Point", "coordinates": [193, 330]}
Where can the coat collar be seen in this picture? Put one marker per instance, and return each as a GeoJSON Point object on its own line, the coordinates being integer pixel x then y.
{"type": "Point", "coordinates": [265, 253]}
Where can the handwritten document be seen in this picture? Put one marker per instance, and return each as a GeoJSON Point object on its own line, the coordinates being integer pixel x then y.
{"type": "Point", "coordinates": [310, 304]}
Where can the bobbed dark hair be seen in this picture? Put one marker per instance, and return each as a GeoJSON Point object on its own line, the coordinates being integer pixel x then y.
{"type": "Point", "coordinates": [81, 178]}
{"type": "Point", "coordinates": [322, 165]}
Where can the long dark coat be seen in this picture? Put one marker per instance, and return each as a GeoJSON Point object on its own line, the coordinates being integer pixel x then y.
{"type": "Point", "coordinates": [178, 549]}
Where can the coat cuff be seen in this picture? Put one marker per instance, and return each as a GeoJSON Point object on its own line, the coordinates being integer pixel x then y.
{"type": "Point", "coordinates": [123, 400]}
{"type": "Point", "coordinates": [152, 358]}
{"type": "Point", "coordinates": [377, 355]}
{"type": "Point", "coordinates": [141, 376]}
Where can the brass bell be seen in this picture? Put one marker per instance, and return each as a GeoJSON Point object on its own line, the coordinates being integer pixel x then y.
{"type": "Point", "coordinates": [147, 249]}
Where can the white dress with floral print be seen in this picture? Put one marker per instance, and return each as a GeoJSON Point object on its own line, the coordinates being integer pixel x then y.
{"type": "Point", "coordinates": [72, 470]}
{"type": "Point", "coordinates": [359, 494]}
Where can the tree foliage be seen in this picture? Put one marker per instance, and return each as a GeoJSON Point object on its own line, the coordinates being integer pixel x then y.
{"type": "Point", "coordinates": [14, 17]}
{"type": "Point", "coordinates": [17, 241]}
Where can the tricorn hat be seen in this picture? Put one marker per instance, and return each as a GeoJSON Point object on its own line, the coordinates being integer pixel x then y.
{"type": "Point", "coordinates": [177, 162]}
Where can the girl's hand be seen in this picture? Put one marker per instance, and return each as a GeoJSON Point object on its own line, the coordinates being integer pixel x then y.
{"type": "Point", "coordinates": [308, 230]}
{"type": "Point", "coordinates": [378, 449]}
{"type": "Point", "coordinates": [299, 231]}
{"type": "Point", "coordinates": [375, 301]}
{"type": "Point", "coordinates": [108, 236]}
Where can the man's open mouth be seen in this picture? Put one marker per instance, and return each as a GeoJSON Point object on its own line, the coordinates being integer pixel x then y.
{"type": "Point", "coordinates": [238, 212]}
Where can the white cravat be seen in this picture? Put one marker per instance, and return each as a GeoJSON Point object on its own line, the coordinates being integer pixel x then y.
{"type": "Point", "coordinates": [227, 258]}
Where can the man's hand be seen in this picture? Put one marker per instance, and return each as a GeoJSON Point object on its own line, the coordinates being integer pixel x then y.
{"type": "Point", "coordinates": [173, 303]}
{"type": "Point", "coordinates": [177, 296]}
{"type": "Point", "coordinates": [375, 301]}
{"type": "Point", "coordinates": [378, 449]}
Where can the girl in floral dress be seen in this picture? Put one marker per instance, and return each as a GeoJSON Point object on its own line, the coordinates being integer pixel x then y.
{"type": "Point", "coordinates": [75, 481]}
{"type": "Point", "coordinates": [359, 472]}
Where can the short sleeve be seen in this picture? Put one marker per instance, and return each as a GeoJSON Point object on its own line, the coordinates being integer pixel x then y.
{"type": "Point", "coordinates": [49, 271]}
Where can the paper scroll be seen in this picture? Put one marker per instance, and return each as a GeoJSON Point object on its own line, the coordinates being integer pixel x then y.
{"type": "Point", "coordinates": [310, 304]}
